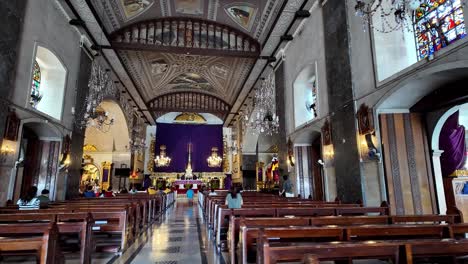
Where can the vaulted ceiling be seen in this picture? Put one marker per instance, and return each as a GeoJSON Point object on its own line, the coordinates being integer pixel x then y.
{"type": "Point", "coordinates": [188, 53]}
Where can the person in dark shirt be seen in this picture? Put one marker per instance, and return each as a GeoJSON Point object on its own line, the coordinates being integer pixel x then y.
{"type": "Point", "coordinates": [44, 198]}
{"type": "Point", "coordinates": [89, 193]}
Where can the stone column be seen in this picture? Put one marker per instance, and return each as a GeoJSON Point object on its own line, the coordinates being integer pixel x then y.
{"type": "Point", "coordinates": [439, 183]}
{"type": "Point", "coordinates": [77, 137]}
{"type": "Point", "coordinates": [281, 112]}
{"type": "Point", "coordinates": [340, 98]}
{"type": "Point", "coordinates": [11, 19]}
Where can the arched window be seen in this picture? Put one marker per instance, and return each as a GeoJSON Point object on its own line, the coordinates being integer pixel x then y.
{"type": "Point", "coordinates": [36, 95]}
{"type": "Point", "coordinates": [48, 83]}
{"type": "Point", "coordinates": [305, 96]}
{"type": "Point", "coordinates": [438, 23]}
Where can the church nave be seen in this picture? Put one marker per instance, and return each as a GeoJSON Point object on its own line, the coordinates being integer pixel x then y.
{"type": "Point", "coordinates": [179, 237]}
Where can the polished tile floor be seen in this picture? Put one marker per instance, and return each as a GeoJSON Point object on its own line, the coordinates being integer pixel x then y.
{"type": "Point", "coordinates": [180, 237]}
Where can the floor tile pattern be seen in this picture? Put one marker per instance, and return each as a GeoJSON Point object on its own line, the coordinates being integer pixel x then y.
{"type": "Point", "coordinates": [175, 240]}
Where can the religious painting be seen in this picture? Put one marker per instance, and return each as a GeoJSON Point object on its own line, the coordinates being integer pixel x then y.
{"type": "Point", "coordinates": [243, 14]}
{"type": "Point", "coordinates": [365, 120]}
{"type": "Point", "coordinates": [158, 67]}
{"type": "Point", "coordinates": [327, 134]}
{"type": "Point", "coordinates": [11, 127]}
{"type": "Point", "coordinates": [134, 8]}
{"type": "Point", "coordinates": [188, 78]}
{"type": "Point", "coordinates": [191, 81]}
{"type": "Point", "coordinates": [219, 70]}
{"type": "Point", "coordinates": [190, 7]}
{"type": "Point", "coordinates": [190, 118]}
{"type": "Point", "coordinates": [437, 23]}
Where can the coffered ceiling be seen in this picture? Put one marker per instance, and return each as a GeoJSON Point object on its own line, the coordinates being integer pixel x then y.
{"type": "Point", "coordinates": [161, 39]}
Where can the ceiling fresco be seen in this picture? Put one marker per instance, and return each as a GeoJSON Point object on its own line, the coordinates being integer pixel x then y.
{"type": "Point", "coordinates": [156, 73]}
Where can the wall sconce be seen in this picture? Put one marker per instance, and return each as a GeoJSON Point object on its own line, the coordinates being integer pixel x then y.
{"type": "Point", "coordinates": [291, 160]}
{"type": "Point", "coordinates": [5, 152]}
{"type": "Point", "coordinates": [328, 152]}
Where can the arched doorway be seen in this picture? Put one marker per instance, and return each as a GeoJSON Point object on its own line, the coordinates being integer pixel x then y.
{"type": "Point", "coordinates": [408, 121]}
{"type": "Point", "coordinates": [309, 170]}
{"type": "Point", "coordinates": [38, 157]}
{"type": "Point", "coordinates": [453, 187]}
{"type": "Point", "coordinates": [106, 148]}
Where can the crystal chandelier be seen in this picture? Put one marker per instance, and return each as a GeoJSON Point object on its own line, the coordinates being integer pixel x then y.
{"type": "Point", "coordinates": [393, 14]}
{"type": "Point", "coordinates": [100, 119]}
{"type": "Point", "coordinates": [263, 118]}
{"type": "Point", "coordinates": [93, 115]}
{"type": "Point", "coordinates": [214, 160]}
{"type": "Point", "coordinates": [137, 142]}
{"type": "Point", "coordinates": [162, 160]}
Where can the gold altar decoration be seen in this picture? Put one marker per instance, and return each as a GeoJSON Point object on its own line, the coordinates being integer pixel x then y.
{"type": "Point", "coordinates": [90, 148]}
{"type": "Point", "coordinates": [150, 164]}
{"type": "Point", "coordinates": [190, 118]}
{"type": "Point", "coordinates": [106, 174]}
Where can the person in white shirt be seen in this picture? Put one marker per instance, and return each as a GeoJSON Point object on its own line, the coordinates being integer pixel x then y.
{"type": "Point", "coordinates": [212, 192]}
{"type": "Point", "coordinates": [29, 200]}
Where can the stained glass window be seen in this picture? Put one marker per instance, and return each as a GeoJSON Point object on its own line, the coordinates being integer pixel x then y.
{"type": "Point", "coordinates": [36, 84]}
{"type": "Point", "coordinates": [438, 23]}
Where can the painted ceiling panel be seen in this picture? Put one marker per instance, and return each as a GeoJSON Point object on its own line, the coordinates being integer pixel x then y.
{"type": "Point", "coordinates": [159, 72]}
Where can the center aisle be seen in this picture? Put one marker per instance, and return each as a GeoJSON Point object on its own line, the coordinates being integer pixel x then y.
{"type": "Point", "coordinates": [179, 238]}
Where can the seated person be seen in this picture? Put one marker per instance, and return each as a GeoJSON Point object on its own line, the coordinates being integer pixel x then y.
{"type": "Point", "coordinates": [44, 198]}
{"type": "Point", "coordinates": [89, 193]}
{"type": "Point", "coordinates": [212, 192]}
{"type": "Point", "coordinates": [109, 193]}
{"type": "Point", "coordinates": [29, 201]}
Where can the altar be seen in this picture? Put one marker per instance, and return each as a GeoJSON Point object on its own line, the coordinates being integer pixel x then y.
{"type": "Point", "coordinates": [182, 186]}
{"type": "Point", "coordinates": [192, 161]}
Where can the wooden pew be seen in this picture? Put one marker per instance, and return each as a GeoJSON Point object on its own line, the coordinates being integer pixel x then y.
{"type": "Point", "coordinates": [235, 223]}
{"type": "Point", "coordinates": [348, 233]}
{"type": "Point", "coordinates": [43, 240]}
{"type": "Point", "coordinates": [68, 223]}
{"type": "Point", "coordinates": [108, 220]}
{"type": "Point", "coordinates": [269, 254]}
{"type": "Point", "coordinates": [226, 214]}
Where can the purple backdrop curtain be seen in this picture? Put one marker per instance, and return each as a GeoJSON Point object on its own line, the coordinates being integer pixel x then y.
{"type": "Point", "coordinates": [176, 138]}
{"type": "Point", "coordinates": [452, 142]}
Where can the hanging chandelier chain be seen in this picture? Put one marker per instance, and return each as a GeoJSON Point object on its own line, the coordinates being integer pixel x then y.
{"type": "Point", "coordinates": [263, 118]}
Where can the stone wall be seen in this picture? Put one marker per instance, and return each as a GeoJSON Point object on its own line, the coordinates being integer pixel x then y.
{"type": "Point", "coordinates": [11, 19]}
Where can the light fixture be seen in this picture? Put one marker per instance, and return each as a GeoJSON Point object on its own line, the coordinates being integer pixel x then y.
{"type": "Point", "coordinates": [100, 86]}
{"type": "Point", "coordinates": [162, 160]}
{"type": "Point", "coordinates": [263, 119]}
{"type": "Point", "coordinates": [5, 152]}
{"type": "Point", "coordinates": [214, 161]}
{"type": "Point", "coordinates": [137, 142]}
{"type": "Point", "coordinates": [100, 120]}
{"type": "Point", "coordinates": [393, 14]}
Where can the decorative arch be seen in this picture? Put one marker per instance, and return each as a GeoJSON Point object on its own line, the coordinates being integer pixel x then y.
{"type": "Point", "coordinates": [189, 102]}
{"type": "Point", "coordinates": [187, 35]}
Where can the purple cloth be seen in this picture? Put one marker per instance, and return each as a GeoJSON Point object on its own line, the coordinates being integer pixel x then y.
{"type": "Point", "coordinates": [228, 182]}
{"type": "Point", "coordinates": [176, 138]}
{"type": "Point", "coordinates": [452, 142]}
